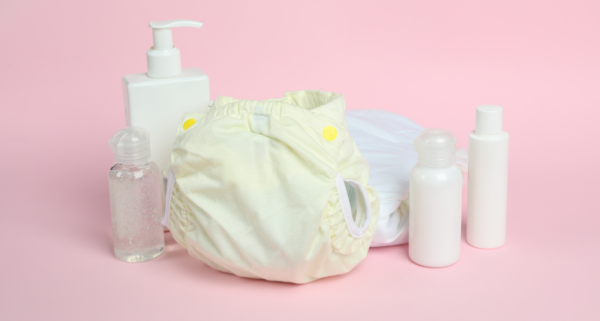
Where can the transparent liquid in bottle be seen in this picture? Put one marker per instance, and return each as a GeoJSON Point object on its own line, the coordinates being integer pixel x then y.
{"type": "Point", "coordinates": [136, 207]}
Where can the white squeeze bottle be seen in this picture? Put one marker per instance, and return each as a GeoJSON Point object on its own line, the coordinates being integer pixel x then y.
{"type": "Point", "coordinates": [435, 201]}
{"type": "Point", "coordinates": [488, 179]}
{"type": "Point", "coordinates": [157, 100]}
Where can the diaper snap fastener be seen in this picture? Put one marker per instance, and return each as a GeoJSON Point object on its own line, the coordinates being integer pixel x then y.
{"type": "Point", "coordinates": [329, 133]}
{"type": "Point", "coordinates": [188, 123]}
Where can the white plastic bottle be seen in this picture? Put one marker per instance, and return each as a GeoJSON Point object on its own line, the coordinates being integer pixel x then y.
{"type": "Point", "coordinates": [158, 99]}
{"type": "Point", "coordinates": [435, 201]}
{"type": "Point", "coordinates": [488, 179]}
{"type": "Point", "coordinates": [135, 188]}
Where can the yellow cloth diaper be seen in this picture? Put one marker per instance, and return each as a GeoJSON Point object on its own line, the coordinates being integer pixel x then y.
{"type": "Point", "coordinates": [272, 189]}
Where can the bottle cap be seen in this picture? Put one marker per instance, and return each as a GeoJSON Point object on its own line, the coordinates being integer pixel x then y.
{"type": "Point", "coordinates": [131, 145]}
{"type": "Point", "coordinates": [436, 148]}
{"type": "Point", "coordinates": [488, 120]}
{"type": "Point", "coordinates": [164, 60]}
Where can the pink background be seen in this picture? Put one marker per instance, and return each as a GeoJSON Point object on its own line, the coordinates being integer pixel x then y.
{"type": "Point", "coordinates": [432, 61]}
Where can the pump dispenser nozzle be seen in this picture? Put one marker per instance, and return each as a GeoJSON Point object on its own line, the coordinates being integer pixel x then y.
{"type": "Point", "coordinates": [164, 59]}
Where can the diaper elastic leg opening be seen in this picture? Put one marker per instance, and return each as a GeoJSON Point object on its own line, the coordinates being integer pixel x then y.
{"type": "Point", "coordinates": [355, 205]}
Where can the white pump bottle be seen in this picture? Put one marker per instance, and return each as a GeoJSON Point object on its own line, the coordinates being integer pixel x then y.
{"type": "Point", "coordinates": [157, 100]}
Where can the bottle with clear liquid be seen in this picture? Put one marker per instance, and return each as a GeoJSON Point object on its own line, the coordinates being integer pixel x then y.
{"type": "Point", "coordinates": [135, 186]}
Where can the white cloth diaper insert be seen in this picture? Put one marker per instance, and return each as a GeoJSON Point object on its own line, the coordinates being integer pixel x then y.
{"type": "Point", "coordinates": [385, 139]}
{"type": "Point", "coordinates": [273, 189]}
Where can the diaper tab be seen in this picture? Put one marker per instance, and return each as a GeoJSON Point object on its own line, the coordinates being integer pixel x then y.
{"type": "Point", "coordinates": [258, 120]}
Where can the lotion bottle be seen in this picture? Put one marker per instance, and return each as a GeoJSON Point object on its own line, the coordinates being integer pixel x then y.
{"type": "Point", "coordinates": [435, 201]}
{"type": "Point", "coordinates": [488, 179]}
{"type": "Point", "coordinates": [157, 100]}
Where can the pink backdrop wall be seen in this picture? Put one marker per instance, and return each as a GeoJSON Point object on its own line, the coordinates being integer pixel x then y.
{"type": "Point", "coordinates": [432, 61]}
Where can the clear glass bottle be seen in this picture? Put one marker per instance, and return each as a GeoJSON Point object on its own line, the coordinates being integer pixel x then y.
{"type": "Point", "coordinates": [135, 186]}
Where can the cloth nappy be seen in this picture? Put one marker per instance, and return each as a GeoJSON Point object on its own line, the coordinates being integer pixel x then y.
{"type": "Point", "coordinates": [274, 189]}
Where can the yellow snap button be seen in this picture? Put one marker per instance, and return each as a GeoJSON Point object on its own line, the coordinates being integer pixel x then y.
{"type": "Point", "coordinates": [330, 133]}
{"type": "Point", "coordinates": [188, 123]}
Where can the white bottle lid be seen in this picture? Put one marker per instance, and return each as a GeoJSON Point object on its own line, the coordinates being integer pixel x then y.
{"type": "Point", "coordinates": [131, 145]}
{"type": "Point", "coordinates": [488, 120]}
{"type": "Point", "coordinates": [164, 59]}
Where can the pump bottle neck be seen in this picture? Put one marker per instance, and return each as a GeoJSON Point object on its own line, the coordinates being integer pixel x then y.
{"type": "Point", "coordinates": [164, 59]}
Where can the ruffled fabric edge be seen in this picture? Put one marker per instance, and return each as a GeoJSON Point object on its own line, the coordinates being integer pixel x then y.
{"type": "Point", "coordinates": [179, 217]}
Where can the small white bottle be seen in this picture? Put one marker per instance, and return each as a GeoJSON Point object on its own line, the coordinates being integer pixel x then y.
{"type": "Point", "coordinates": [488, 179]}
{"type": "Point", "coordinates": [435, 201]}
{"type": "Point", "coordinates": [158, 99]}
{"type": "Point", "coordinates": [135, 188]}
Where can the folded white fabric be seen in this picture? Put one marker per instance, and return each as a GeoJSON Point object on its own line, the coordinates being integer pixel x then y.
{"type": "Point", "coordinates": [385, 140]}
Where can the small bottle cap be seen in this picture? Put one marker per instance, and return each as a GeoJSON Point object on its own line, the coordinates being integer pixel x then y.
{"type": "Point", "coordinates": [436, 148]}
{"type": "Point", "coordinates": [488, 120]}
{"type": "Point", "coordinates": [131, 145]}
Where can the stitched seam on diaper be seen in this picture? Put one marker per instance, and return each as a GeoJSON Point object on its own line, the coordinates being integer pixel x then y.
{"type": "Point", "coordinates": [183, 214]}
{"type": "Point", "coordinates": [327, 212]}
{"type": "Point", "coordinates": [186, 211]}
{"type": "Point", "coordinates": [340, 147]}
